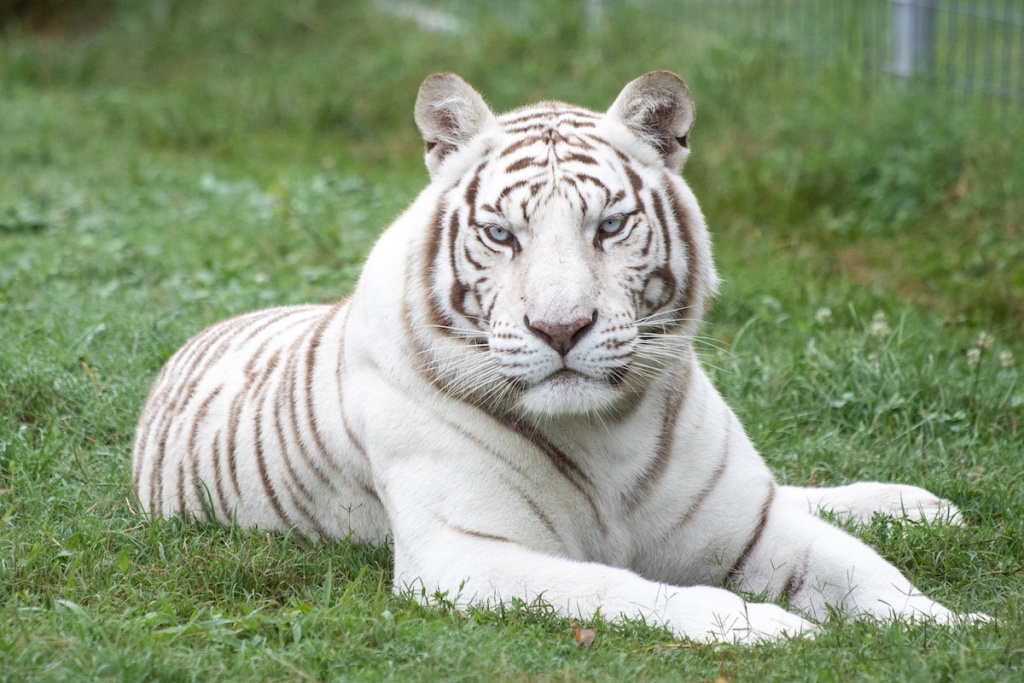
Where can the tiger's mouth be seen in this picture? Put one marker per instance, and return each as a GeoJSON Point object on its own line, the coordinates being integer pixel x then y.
{"type": "Point", "coordinates": [564, 376]}
{"type": "Point", "coordinates": [568, 392]}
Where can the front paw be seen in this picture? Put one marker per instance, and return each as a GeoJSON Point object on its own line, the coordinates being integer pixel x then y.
{"type": "Point", "coordinates": [945, 617]}
{"type": "Point", "coordinates": [759, 623]}
{"type": "Point", "coordinates": [920, 609]}
{"type": "Point", "coordinates": [859, 502]}
{"type": "Point", "coordinates": [767, 622]}
{"type": "Point", "coordinates": [917, 504]}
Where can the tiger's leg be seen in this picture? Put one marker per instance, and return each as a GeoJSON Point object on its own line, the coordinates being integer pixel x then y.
{"type": "Point", "coordinates": [467, 567]}
{"type": "Point", "coordinates": [817, 566]}
{"type": "Point", "coordinates": [481, 517]}
{"type": "Point", "coordinates": [859, 502]}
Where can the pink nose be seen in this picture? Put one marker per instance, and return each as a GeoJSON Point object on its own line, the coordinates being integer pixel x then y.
{"type": "Point", "coordinates": [561, 336]}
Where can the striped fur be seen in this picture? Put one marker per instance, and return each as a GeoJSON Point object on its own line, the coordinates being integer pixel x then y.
{"type": "Point", "coordinates": [512, 395]}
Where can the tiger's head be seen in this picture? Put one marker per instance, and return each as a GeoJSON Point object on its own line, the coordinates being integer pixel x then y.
{"type": "Point", "coordinates": [568, 263]}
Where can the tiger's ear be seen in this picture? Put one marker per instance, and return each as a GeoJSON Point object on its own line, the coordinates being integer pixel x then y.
{"type": "Point", "coordinates": [658, 109]}
{"type": "Point", "coordinates": [449, 113]}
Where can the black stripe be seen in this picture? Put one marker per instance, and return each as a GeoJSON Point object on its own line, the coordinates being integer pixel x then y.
{"type": "Point", "coordinates": [469, 194]}
{"type": "Point", "coordinates": [559, 112]}
{"type": "Point", "coordinates": [576, 123]}
{"type": "Point", "coordinates": [218, 481]}
{"type": "Point", "coordinates": [190, 452]}
{"type": "Point", "coordinates": [457, 293]}
{"type": "Point", "coordinates": [261, 463]}
{"type": "Point", "coordinates": [693, 268]}
{"type": "Point", "coordinates": [797, 579]}
{"type": "Point", "coordinates": [289, 401]}
{"type": "Point", "coordinates": [282, 443]}
{"type": "Point", "coordinates": [341, 397]}
{"type": "Point", "coordinates": [311, 363]}
{"type": "Point", "coordinates": [601, 141]}
{"type": "Point", "coordinates": [656, 469]}
{"type": "Point", "coordinates": [645, 250]}
{"type": "Point", "coordinates": [518, 145]}
{"type": "Point", "coordinates": [305, 512]}
{"type": "Point", "coordinates": [234, 418]}
{"type": "Point", "coordinates": [525, 162]}
{"type": "Point", "coordinates": [477, 266]}
{"type": "Point", "coordinates": [709, 486]}
{"type": "Point", "coordinates": [479, 534]}
{"type": "Point", "coordinates": [578, 157]}
{"type": "Point", "coordinates": [437, 320]}
{"type": "Point", "coordinates": [509, 189]}
{"type": "Point", "coordinates": [754, 537]}
{"type": "Point", "coordinates": [565, 465]}
{"type": "Point", "coordinates": [597, 182]}
{"type": "Point", "coordinates": [181, 490]}
{"type": "Point", "coordinates": [539, 513]}
{"type": "Point", "coordinates": [669, 290]}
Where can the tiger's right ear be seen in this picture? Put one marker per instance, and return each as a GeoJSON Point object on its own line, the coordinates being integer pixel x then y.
{"type": "Point", "coordinates": [657, 109]}
{"type": "Point", "coordinates": [449, 113]}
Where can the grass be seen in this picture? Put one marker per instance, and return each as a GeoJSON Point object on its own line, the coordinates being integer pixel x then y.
{"type": "Point", "coordinates": [181, 161]}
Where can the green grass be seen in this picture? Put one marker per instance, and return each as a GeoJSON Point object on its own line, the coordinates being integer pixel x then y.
{"type": "Point", "coordinates": [185, 161]}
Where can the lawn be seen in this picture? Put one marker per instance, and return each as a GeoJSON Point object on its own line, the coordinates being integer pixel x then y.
{"type": "Point", "coordinates": [164, 165]}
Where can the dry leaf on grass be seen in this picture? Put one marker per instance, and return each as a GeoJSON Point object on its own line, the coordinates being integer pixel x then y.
{"type": "Point", "coordinates": [584, 636]}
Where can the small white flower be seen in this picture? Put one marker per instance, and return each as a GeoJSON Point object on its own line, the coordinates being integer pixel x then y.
{"type": "Point", "coordinates": [1005, 359]}
{"type": "Point", "coordinates": [879, 326]}
{"type": "Point", "coordinates": [984, 340]}
{"type": "Point", "coordinates": [823, 316]}
{"type": "Point", "coordinates": [973, 355]}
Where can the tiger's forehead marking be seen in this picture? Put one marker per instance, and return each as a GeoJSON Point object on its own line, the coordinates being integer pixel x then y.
{"type": "Point", "coordinates": [547, 124]}
{"type": "Point", "coordinates": [539, 140]}
{"type": "Point", "coordinates": [553, 115]}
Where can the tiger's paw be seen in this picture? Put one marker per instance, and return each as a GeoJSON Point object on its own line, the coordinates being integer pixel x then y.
{"type": "Point", "coordinates": [900, 501]}
{"type": "Point", "coordinates": [966, 619]}
{"type": "Point", "coordinates": [861, 501]}
{"type": "Point", "coordinates": [762, 623]}
{"type": "Point", "coordinates": [942, 616]}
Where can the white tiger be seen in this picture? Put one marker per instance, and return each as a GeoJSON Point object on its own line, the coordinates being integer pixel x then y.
{"type": "Point", "coordinates": [511, 393]}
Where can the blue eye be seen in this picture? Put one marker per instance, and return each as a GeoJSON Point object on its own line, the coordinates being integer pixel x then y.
{"type": "Point", "coordinates": [611, 225]}
{"type": "Point", "coordinates": [498, 234]}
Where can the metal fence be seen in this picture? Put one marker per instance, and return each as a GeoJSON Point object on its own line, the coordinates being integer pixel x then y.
{"type": "Point", "coordinates": [974, 47]}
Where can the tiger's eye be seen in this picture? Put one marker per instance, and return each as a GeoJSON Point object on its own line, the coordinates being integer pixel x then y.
{"type": "Point", "coordinates": [498, 234]}
{"type": "Point", "coordinates": [611, 225]}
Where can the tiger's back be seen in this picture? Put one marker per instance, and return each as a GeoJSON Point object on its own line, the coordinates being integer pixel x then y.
{"type": "Point", "coordinates": [239, 429]}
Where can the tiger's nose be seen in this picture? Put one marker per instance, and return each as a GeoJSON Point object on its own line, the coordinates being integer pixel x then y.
{"type": "Point", "coordinates": [561, 336]}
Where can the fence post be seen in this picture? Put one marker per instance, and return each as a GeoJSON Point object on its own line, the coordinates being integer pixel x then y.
{"type": "Point", "coordinates": [913, 39]}
{"type": "Point", "coordinates": [594, 11]}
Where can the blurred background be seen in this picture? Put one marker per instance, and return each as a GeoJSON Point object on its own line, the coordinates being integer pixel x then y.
{"type": "Point", "coordinates": [873, 139]}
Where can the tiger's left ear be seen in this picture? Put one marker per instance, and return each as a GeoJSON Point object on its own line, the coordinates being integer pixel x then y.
{"type": "Point", "coordinates": [449, 113]}
{"type": "Point", "coordinates": [658, 109]}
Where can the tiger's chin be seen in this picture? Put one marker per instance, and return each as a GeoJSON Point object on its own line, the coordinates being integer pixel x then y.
{"type": "Point", "coordinates": [568, 393]}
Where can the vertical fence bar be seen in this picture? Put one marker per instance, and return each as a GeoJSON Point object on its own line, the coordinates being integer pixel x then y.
{"type": "Point", "coordinates": [1007, 52]}
{"type": "Point", "coordinates": [865, 39]}
{"type": "Point", "coordinates": [988, 84]}
{"type": "Point", "coordinates": [914, 39]}
{"type": "Point", "coordinates": [594, 12]}
{"type": "Point", "coordinates": [972, 26]}
{"type": "Point", "coordinates": [951, 43]}
{"type": "Point", "coordinates": [1020, 57]}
